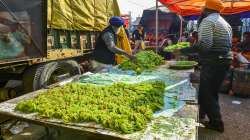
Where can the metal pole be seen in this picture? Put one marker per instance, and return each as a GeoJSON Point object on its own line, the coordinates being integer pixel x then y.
{"type": "Point", "coordinates": [157, 26]}
{"type": "Point", "coordinates": [130, 21]}
{"type": "Point", "coordinates": [181, 26]}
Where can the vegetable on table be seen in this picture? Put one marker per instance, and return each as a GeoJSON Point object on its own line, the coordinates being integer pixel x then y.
{"type": "Point", "coordinates": [145, 60]}
{"type": "Point", "coordinates": [125, 108]}
{"type": "Point", "coordinates": [182, 65]}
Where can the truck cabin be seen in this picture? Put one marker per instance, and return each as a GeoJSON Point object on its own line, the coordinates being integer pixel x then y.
{"type": "Point", "coordinates": [21, 29]}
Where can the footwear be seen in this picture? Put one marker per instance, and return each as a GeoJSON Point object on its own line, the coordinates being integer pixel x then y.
{"type": "Point", "coordinates": [203, 121]}
{"type": "Point", "coordinates": [219, 127]}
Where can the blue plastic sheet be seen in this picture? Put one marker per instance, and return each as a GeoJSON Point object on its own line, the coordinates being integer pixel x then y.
{"type": "Point", "coordinates": [177, 82]}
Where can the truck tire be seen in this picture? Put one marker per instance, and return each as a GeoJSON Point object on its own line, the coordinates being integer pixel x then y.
{"type": "Point", "coordinates": [43, 75]}
{"type": "Point", "coordinates": [2, 83]}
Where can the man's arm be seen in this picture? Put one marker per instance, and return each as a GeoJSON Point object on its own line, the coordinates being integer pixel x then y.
{"type": "Point", "coordinates": [133, 35]}
{"type": "Point", "coordinates": [205, 41]}
{"type": "Point", "coordinates": [190, 50]}
{"type": "Point", "coordinates": [110, 42]}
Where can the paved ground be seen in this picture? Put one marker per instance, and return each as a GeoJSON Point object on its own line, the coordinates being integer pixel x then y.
{"type": "Point", "coordinates": [236, 119]}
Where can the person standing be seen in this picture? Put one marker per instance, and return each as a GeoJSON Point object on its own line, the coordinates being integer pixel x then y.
{"type": "Point", "coordinates": [214, 48]}
{"type": "Point", "coordinates": [138, 36]}
{"type": "Point", "coordinates": [194, 38]}
{"type": "Point", "coordinates": [106, 46]}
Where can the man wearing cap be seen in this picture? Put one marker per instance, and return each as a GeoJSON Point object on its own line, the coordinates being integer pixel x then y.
{"type": "Point", "coordinates": [106, 49]}
{"type": "Point", "coordinates": [214, 48]}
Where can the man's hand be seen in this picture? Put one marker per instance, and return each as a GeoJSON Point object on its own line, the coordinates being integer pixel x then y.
{"type": "Point", "coordinates": [177, 52]}
{"type": "Point", "coordinates": [131, 57]}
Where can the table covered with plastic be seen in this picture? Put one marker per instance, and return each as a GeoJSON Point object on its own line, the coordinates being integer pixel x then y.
{"type": "Point", "coordinates": [177, 119]}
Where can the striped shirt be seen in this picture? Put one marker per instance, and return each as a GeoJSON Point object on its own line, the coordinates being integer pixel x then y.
{"type": "Point", "coordinates": [215, 35]}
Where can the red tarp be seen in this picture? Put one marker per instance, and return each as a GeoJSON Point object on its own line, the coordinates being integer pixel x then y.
{"type": "Point", "coordinates": [194, 7]}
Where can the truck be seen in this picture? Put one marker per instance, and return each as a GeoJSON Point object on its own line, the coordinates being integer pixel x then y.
{"type": "Point", "coordinates": [45, 41]}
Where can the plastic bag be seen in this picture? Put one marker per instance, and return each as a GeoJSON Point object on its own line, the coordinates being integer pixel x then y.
{"type": "Point", "coordinates": [19, 127]}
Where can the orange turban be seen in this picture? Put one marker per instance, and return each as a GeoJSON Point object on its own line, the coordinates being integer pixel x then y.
{"type": "Point", "coordinates": [214, 5]}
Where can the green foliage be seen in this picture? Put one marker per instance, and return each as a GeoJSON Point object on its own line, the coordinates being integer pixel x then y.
{"type": "Point", "coordinates": [122, 107]}
{"type": "Point", "coordinates": [145, 60]}
{"type": "Point", "coordinates": [177, 46]}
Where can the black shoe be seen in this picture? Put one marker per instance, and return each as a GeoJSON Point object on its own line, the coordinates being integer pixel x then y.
{"type": "Point", "coordinates": [219, 127]}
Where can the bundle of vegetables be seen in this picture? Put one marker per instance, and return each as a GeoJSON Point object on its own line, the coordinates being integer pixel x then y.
{"type": "Point", "coordinates": [145, 60]}
{"type": "Point", "coordinates": [177, 46]}
{"type": "Point", "coordinates": [183, 65]}
{"type": "Point", "coordinates": [123, 107]}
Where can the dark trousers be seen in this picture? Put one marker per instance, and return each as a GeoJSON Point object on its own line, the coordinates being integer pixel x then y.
{"type": "Point", "coordinates": [211, 79]}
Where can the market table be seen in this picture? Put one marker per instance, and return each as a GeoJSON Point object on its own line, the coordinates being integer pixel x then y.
{"type": "Point", "coordinates": [179, 85]}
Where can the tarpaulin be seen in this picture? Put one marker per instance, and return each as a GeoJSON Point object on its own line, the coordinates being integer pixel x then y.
{"type": "Point", "coordinates": [169, 22]}
{"type": "Point", "coordinates": [241, 15]}
{"type": "Point", "coordinates": [194, 7]}
{"type": "Point", "coordinates": [86, 15]}
{"type": "Point", "coordinates": [123, 43]}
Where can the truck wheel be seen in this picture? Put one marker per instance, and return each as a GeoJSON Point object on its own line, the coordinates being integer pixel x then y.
{"type": "Point", "coordinates": [44, 75]}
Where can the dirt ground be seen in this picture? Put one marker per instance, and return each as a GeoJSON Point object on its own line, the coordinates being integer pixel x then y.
{"type": "Point", "coordinates": [236, 119]}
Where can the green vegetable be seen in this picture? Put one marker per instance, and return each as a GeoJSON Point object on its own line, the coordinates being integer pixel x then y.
{"type": "Point", "coordinates": [123, 107]}
{"type": "Point", "coordinates": [145, 60]}
{"type": "Point", "coordinates": [177, 46]}
{"type": "Point", "coordinates": [179, 65]}
{"type": "Point", "coordinates": [185, 63]}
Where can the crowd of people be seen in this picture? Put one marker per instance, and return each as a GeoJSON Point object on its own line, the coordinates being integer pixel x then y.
{"type": "Point", "coordinates": [241, 50]}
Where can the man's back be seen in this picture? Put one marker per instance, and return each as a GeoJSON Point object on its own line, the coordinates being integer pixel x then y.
{"type": "Point", "coordinates": [215, 38]}
{"type": "Point", "coordinates": [221, 30]}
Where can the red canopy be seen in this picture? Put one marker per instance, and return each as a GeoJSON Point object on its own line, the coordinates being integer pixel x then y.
{"type": "Point", "coordinates": [194, 7]}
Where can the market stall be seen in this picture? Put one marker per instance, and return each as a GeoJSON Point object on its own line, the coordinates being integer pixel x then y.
{"type": "Point", "coordinates": [176, 119]}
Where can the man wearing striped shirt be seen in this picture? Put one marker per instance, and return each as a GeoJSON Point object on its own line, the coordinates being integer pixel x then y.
{"type": "Point", "coordinates": [214, 48]}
